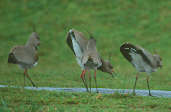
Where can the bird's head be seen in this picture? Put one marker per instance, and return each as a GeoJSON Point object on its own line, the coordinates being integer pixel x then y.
{"type": "Point", "coordinates": [107, 67]}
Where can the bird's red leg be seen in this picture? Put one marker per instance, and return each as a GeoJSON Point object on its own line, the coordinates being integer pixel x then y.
{"type": "Point", "coordinates": [83, 79]}
{"type": "Point", "coordinates": [135, 84]}
{"type": "Point", "coordinates": [95, 80]}
{"type": "Point", "coordinates": [29, 78]}
{"type": "Point", "coordinates": [82, 74]}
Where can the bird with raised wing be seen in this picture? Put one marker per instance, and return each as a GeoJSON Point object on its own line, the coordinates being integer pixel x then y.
{"type": "Point", "coordinates": [26, 55]}
{"type": "Point", "coordinates": [142, 60]}
{"type": "Point", "coordinates": [87, 56]}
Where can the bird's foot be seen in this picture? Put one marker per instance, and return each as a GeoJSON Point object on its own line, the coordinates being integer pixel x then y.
{"type": "Point", "coordinates": [134, 94]}
{"type": "Point", "coordinates": [97, 91]}
{"type": "Point", "coordinates": [150, 94]}
{"type": "Point", "coordinates": [90, 91]}
{"type": "Point", "coordinates": [87, 90]}
{"type": "Point", "coordinates": [35, 86]}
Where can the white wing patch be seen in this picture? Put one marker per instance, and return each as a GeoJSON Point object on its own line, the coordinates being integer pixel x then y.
{"type": "Point", "coordinates": [133, 50]}
{"type": "Point", "coordinates": [76, 47]}
{"type": "Point", "coordinates": [77, 50]}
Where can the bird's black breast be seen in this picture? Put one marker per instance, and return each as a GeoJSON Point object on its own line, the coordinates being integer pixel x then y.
{"type": "Point", "coordinates": [12, 58]}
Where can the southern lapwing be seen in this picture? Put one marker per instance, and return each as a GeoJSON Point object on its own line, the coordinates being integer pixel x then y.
{"type": "Point", "coordinates": [87, 56]}
{"type": "Point", "coordinates": [142, 60]}
{"type": "Point", "coordinates": [25, 55]}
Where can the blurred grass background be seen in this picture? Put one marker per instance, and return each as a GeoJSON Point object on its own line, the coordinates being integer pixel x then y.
{"type": "Point", "coordinates": [112, 22]}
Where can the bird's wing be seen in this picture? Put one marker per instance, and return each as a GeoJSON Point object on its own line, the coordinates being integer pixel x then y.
{"type": "Point", "coordinates": [147, 56]}
{"type": "Point", "coordinates": [127, 48]}
{"type": "Point", "coordinates": [69, 42]}
{"type": "Point", "coordinates": [81, 39]}
{"type": "Point", "coordinates": [24, 55]}
{"type": "Point", "coordinates": [77, 43]}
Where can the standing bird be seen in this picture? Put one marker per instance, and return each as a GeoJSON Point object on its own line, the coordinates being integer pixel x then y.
{"type": "Point", "coordinates": [26, 55]}
{"type": "Point", "coordinates": [142, 60]}
{"type": "Point", "coordinates": [87, 56]}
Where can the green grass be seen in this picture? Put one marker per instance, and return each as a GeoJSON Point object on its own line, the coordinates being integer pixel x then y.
{"type": "Point", "coordinates": [113, 22]}
{"type": "Point", "coordinates": [38, 101]}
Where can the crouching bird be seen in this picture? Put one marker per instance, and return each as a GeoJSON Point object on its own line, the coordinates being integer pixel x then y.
{"type": "Point", "coordinates": [87, 56]}
{"type": "Point", "coordinates": [26, 55]}
{"type": "Point", "coordinates": [142, 60]}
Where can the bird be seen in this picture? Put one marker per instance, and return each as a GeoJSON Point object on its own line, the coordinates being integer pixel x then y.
{"type": "Point", "coordinates": [26, 56]}
{"type": "Point", "coordinates": [142, 60]}
{"type": "Point", "coordinates": [87, 56]}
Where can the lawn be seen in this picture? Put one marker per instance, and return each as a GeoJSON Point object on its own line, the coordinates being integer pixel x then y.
{"type": "Point", "coordinates": [112, 22]}
{"type": "Point", "coordinates": [43, 101]}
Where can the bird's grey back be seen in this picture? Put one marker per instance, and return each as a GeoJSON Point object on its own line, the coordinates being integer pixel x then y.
{"type": "Point", "coordinates": [91, 53]}
{"type": "Point", "coordinates": [24, 54]}
{"type": "Point", "coordinates": [91, 46]}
